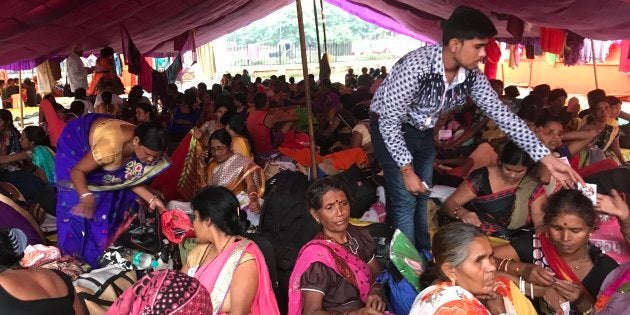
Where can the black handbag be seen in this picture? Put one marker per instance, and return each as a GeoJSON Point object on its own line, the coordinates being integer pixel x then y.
{"type": "Point", "coordinates": [141, 231]}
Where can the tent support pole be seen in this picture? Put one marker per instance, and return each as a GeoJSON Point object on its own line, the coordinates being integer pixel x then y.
{"type": "Point", "coordinates": [319, 48]}
{"type": "Point", "coordinates": [21, 103]}
{"type": "Point", "coordinates": [531, 69]}
{"type": "Point", "coordinates": [307, 85]}
{"type": "Point", "coordinates": [594, 64]}
{"type": "Point", "coordinates": [503, 73]}
{"type": "Point", "coordinates": [321, 10]}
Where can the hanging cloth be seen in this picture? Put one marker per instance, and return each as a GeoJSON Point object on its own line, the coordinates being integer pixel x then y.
{"type": "Point", "coordinates": [552, 40]}
{"type": "Point", "coordinates": [515, 27]}
{"type": "Point", "coordinates": [514, 56]}
{"type": "Point", "coordinates": [624, 63]}
{"type": "Point", "coordinates": [493, 55]}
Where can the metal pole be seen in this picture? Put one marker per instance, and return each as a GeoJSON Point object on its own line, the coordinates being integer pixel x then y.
{"type": "Point", "coordinates": [21, 103]}
{"type": "Point", "coordinates": [531, 68]}
{"type": "Point", "coordinates": [307, 85]}
{"type": "Point", "coordinates": [319, 49]}
{"type": "Point", "coordinates": [594, 64]}
{"type": "Point", "coordinates": [321, 2]}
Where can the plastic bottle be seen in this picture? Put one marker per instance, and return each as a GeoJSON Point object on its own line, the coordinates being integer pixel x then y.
{"type": "Point", "coordinates": [140, 260]}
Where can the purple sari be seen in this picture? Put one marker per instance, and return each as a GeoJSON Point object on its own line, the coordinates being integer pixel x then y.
{"type": "Point", "coordinates": [87, 238]}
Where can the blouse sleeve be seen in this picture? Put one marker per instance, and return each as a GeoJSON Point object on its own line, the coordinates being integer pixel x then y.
{"type": "Point", "coordinates": [317, 278]}
{"type": "Point", "coordinates": [108, 143]}
{"type": "Point", "coordinates": [476, 180]}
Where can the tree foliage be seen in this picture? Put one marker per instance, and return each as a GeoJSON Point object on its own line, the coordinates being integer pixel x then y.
{"type": "Point", "coordinates": [281, 26]}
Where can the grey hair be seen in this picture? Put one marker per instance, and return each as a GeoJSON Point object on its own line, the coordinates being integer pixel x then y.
{"type": "Point", "coordinates": [450, 243]}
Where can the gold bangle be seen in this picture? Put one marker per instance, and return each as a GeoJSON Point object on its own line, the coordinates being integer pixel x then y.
{"type": "Point", "coordinates": [151, 200]}
{"type": "Point", "coordinates": [455, 212]}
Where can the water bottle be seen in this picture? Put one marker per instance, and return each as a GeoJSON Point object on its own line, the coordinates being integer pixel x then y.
{"type": "Point", "coordinates": [140, 260]}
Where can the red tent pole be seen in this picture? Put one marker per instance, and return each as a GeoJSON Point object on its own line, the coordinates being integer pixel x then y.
{"type": "Point", "coordinates": [307, 85]}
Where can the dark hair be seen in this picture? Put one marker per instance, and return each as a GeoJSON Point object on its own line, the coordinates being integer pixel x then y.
{"type": "Point", "coordinates": [511, 91]}
{"type": "Point", "coordinates": [594, 96]}
{"type": "Point", "coordinates": [546, 120]}
{"type": "Point", "coordinates": [80, 93]}
{"type": "Point", "coordinates": [148, 108]}
{"type": "Point", "coordinates": [556, 94]}
{"type": "Point", "coordinates": [570, 201]}
{"type": "Point", "coordinates": [224, 101]}
{"type": "Point", "coordinates": [219, 204]}
{"type": "Point", "coordinates": [320, 187]}
{"type": "Point", "coordinates": [152, 135]}
{"type": "Point", "coordinates": [37, 135]}
{"type": "Point", "coordinates": [450, 243]}
{"type": "Point", "coordinates": [529, 107]}
{"type": "Point", "coordinates": [202, 87]}
{"type": "Point", "coordinates": [8, 256]}
{"type": "Point", "coordinates": [7, 117]}
{"type": "Point", "coordinates": [223, 136]}
{"type": "Point", "coordinates": [241, 98]}
{"type": "Point", "coordinates": [514, 155]}
{"type": "Point", "coordinates": [361, 112]}
{"type": "Point", "coordinates": [467, 23]}
{"type": "Point", "coordinates": [613, 100]}
{"type": "Point", "coordinates": [106, 97]}
{"type": "Point", "coordinates": [107, 51]}
{"type": "Point", "coordinates": [496, 81]}
{"type": "Point", "coordinates": [236, 123]}
{"type": "Point", "coordinates": [541, 90]}
{"type": "Point", "coordinates": [77, 108]}
{"type": "Point", "coordinates": [260, 100]}
{"type": "Point", "coordinates": [190, 98]}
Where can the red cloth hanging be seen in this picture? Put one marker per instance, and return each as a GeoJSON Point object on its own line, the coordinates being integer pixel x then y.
{"type": "Point", "coordinates": [493, 55]}
{"type": "Point", "coordinates": [624, 63]}
{"type": "Point", "coordinates": [552, 40]}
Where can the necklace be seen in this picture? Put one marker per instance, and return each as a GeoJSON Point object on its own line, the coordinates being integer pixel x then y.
{"type": "Point", "coordinates": [217, 255]}
{"type": "Point", "coordinates": [582, 262]}
{"type": "Point", "coordinates": [353, 244]}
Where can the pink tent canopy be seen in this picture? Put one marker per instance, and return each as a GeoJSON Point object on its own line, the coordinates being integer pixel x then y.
{"type": "Point", "coordinates": [33, 30]}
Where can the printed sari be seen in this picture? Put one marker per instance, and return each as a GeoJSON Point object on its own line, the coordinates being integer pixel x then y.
{"type": "Point", "coordinates": [232, 174]}
{"type": "Point", "coordinates": [559, 267]}
{"type": "Point", "coordinates": [217, 275]}
{"type": "Point", "coordinates": [614, 297]}
{"type": "Point", "coordinates": [87, 238]}
{"type": "Point", "coordinates": [334, 256]}
{"type": "Point", "coordinates": [447, 299]}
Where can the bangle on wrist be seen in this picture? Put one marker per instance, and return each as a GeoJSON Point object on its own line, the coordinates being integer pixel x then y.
{"type": "Point", "coordinates": [152, 199]}
{"type": "Point", "coordinates": [86, 195]}
{"type": "Point", "coordinates": [455, 212]}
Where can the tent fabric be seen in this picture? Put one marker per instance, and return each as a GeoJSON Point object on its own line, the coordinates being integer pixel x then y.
{"type": "Point", "coordinates": [35, 30]}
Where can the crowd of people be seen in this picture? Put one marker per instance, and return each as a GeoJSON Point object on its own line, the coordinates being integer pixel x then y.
{"type": "Point", "coordinates": [512, 237]}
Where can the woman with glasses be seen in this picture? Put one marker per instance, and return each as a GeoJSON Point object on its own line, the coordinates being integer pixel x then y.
{"type": "Point", "coordinates": [234, 171]}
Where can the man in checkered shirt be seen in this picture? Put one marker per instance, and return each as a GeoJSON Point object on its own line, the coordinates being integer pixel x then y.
{"type": "Point", "coordinates": [405, 108]}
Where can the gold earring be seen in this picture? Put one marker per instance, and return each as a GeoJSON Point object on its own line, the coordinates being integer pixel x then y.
{"type": "Point", "coordinates": [453, 282]}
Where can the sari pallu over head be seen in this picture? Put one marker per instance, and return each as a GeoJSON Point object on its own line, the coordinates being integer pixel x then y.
{"type": "Point", "coordinates": [335, 257]}
{"type": "Point", "coordinates": [217, 275]}
{"type": "Point", "coordinates": [87, 238]}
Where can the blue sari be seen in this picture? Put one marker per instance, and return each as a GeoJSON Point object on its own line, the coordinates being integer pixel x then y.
{"type": "Point", "coordinates": [87, 238]}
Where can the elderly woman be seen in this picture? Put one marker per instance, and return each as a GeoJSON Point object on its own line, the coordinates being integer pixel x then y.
{"type": "Point", "coordinates": [335, 271]}
{"type": "Point", "coordinates": [486, 198]}
{"type": "Point", "coordinates": [166, 292]}
{"type": "Point", "coordinates": [463, 256]}
{"type": "Point", "coordinates": [101, 166]}
{"type": "Point", "coordinates": [558, 263]}
{"type": "Point", "coordinates": [230, 266]}
{"type": "Point", "coordinates": [234, 171]}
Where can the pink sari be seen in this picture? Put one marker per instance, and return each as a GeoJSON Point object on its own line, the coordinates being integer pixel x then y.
{"type": "Point", "coordinates": [217, 277]}
{"type": "Point", "coordinates": [335, 257]}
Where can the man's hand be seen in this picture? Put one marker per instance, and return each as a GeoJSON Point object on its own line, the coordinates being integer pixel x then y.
{"type": "Point", "coordinates": [563, 173]}
{"type": "Point", "coordinates": [413, 184]}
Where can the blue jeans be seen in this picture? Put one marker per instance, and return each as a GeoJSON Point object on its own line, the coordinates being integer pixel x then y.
{"type": "Point", "coordinates": [409, 211]}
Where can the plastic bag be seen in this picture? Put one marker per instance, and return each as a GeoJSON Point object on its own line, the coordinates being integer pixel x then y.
{"type": "Point", "coordinates": [407, 259]}
{"type": "Point", "coordinates": [176, 226]}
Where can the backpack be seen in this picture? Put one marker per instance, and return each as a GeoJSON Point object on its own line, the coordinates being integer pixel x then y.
{"type": "Point", "coordinates": [399, 293]}
{"type": "Point", "coordinates": [98, 289]}
{"type": "Point", "coordinates": [361, 190]}
{"type": "Point", "coordinates": [287, 224]}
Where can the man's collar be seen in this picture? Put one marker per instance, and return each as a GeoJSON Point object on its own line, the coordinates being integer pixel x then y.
{"type": "Point", "coordinates": [439, 68]}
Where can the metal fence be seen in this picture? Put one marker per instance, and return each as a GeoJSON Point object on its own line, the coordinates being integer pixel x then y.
{"type": "Point", "coordinates": [289, 54]}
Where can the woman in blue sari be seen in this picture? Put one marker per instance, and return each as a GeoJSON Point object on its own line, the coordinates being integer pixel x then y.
{"type": "Point", "coordinates": [102, 164]}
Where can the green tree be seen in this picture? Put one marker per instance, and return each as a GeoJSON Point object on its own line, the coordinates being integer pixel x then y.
{"type": "Point", "coordinates": [281, 26]}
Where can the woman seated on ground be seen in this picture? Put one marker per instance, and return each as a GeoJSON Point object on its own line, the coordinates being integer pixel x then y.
{"type": "Point", "coordinates": [9, 138]}
{"type": "Point", "coordinates": [230, 266]}
{"type": "Point", "coordinates": [469, 282]}
{"type": "Point", "coordinates": [558, 263]}
{"type": "Point", "coordinates": [335, 271]}
{"type": "Point", "coordinates": [145, 112]}
{"type": "Point", "coordinates": [235, 126]}
{"type": "Point", "coordinates": [36, 148]}
{"type": "Point", "coordinates": [607, 138]}
{"type": "Point", "coordinates": [488, 193]}
{"type": "Point", "coordinates": [33, 291]}
{"type": "Point", "coordinates": [166, 292]}
{"type": "Point", "coordinates": [231, 170]}
{"type": "Point", "coordinates": [107, 107]}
